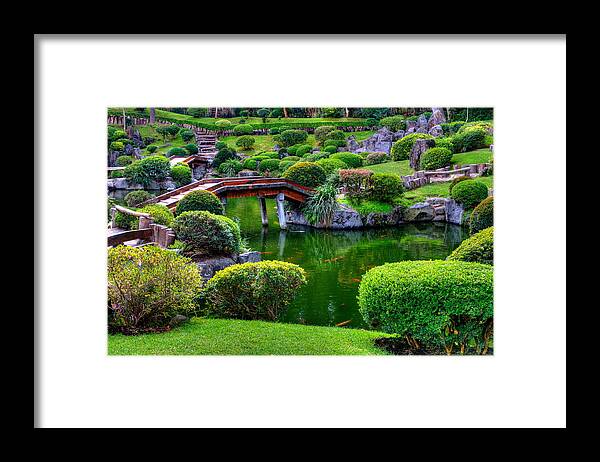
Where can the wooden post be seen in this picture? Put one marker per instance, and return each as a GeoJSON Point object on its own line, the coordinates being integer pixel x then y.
{"type": "Point", "coordinates": [281, 211]}
{"type": "Point", "coordinates": [113, 217]}
{"type": "Point", "coordinates": [263, 211]}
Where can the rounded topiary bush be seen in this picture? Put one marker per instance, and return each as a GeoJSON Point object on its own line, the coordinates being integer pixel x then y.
{"type": "Point", "coordinates": [160, 214]}
{"type": "Point", "coordinates": [181, 174]}
{"type": "Point", "coordinates": [385, 187]}
{"type": "Point", "coordinates": [439, 303]}
{"type": "Point", "coordinates": [291, 158]}
{"type": "Point", "coordinates": [444, 143]}
{"type": "Point", "coordinates": [435, 158]}
{"type": "Point", "coordinates": [152, 148]}
{"type": "Point", "coordinates": [177, 152]}
{"type": "Point", "coordinates": [331, 165]}
{"type": "Point", "coordinates": [315, 156]}
{"type": "Point", "coordinates": [292, 150]}
{"type": "Point", "coordinates": [200, 200]}
{"type": "Point", "coordinates": [260, 291]}
{"type": "Point", "coordinates": [374, 158]}
{"type": "Point", "coordinates": [457, 180]}
{"type": "Point", "coordinates": [322, 132]}
{"type": "Point", "coordinates": [243, 129]}
{"type": "Point", "coordinates": [250, 163]}
{"type": "Point", "coordinates": [191, 148]}
{"type": "Point", "coordinates": [285, 164]}
{"type": "Point", "coordinates": [307, 174]}
{"type": "Point", "coordinates": [220, 145]}
{"type": "Point", "coordinates": [123, 161]}
{"type": "Point", "coordinates": [468, 140]}
{"type": "Point", "coordinates": [330, 149]}
{"type": "Point", "coordinates": [271, 154]}
{"type": "Point", "coordinates": [223, 124]}
{"type": "Point", "coordinates": [135, 198]}
{"type": "Point", "coordinates": [117, 146]}
{"type": "Point", "coordinates": [336, 143]}
{"type": "Point", "coordinates": [269, 165]}
{"type": "Point", "coordinates": [469, 193]}
{"type": "Point", "coordinates": [303, 149]}
{"type": "Point", "coordinates": [245, 142]}
{"type": "Point", "coordinates": [482, 216]}
{"type": "Point", "coordinates": [350, 159]}
{"type": "Point", "coordinates": [401, 148]}
{"type": "Point", "coordinates": [187, 135]}
{"type": "Point", "coordinates": [477, 248]}
{"type": "Point", "coordinates": [291, 137]}
{"type": "Point", "coordinates": [204, 233]}
{"type": "Point", "coordinates": [151, 168]}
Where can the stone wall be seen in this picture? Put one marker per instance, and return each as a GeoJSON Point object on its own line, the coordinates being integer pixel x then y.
{"type": "Point", "coordinates": [124, 183]}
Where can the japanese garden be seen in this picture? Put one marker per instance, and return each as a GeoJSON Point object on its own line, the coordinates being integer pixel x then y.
{"type": "Point", "coordinates": [300, 231]}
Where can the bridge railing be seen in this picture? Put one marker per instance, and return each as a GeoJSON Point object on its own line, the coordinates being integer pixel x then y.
{"type": "Point", "coordinates": [161, 235]}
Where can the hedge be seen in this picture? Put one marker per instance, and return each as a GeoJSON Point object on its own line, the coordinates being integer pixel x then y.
{"type": "Point", "coordinates": [439, 303]}
{"type": "Point", "coordinates": [477, 248]}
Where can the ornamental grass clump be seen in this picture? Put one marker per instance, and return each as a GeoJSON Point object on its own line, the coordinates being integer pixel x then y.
{"type": "Point", "coordinates": [256, 291]}
{"type": "Point", "coordinates": [206, 234]}
{"type": "Point", "coordinates": [147, 286]}
{"type": "Point", "coordinates": [440, 304]}
{"type": "Point", "coordinates": [200, 200]}
{"type": "Point", "coordinates": [321, 206]}
{"type": "Point", "coordinates": [477, 248]}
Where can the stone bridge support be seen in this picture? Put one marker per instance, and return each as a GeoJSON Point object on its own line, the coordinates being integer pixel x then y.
{"type": "Point", "coordinates": [281, 211]}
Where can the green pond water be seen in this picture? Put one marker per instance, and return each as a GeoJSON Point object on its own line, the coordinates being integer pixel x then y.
{"type": "Point", "coordinates": [336, 260]}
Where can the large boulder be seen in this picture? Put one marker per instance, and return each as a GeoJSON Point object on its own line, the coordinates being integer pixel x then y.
{"type": "Point", "coordinates": [422, 122]}
{"type": "Point", "coordinates": [249, 257]}
{"type": "Point", "coordinates": [209, 266]}
{"type": "Point", "coordinates": [419, 212]}
{"type": "Point", "coordinates": [437, 117]}
{"type": "Point", "coordinates": [436, 131]}
{"type": "Point", "coordinates": [398, 135]}
{"type": "Point", "coordinates": [454, 212]}
{"type": "Point", "coordinates": [381, 141]}
{"type": "Point", "coordinates": [375, 220]}
{"type": "Point", "coordinates": [351, 144]}
{"type": "Point", "coordinates": [419, 148]}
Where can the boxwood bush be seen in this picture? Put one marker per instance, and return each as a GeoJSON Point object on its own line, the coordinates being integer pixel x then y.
{"type": "Point", "coordinates": [401, 148]}
{"type": "Point", "coordinates": [152, 148]}
{"type": "Point", "coordinates": [330, 149]}
{"type": "Point", "coordinates": [191, 148]}
{"type": "Point", "coordinates": [336, 143]}
{"type": "Point", "coordinates": [200, 200]}
{"type": "Point", "coordinates": [268, 165]}
{"type": "Point", "coordinates": [291, 158]}
{"type": "Point", "coordinates": [331, 165]}
{"type": "Point", "coordinates": [243, 129]}
{"type": "Point", "coordinates": [181, 174]}
{"type": "Point", "coordinates": [322, 132]}
{"type": "Point", "coordinates": [394, 123]}
{"type": "Point", "coordinates": [135, 198]}
{"type": "Point", "coordinates": [444, 143]}
{"type": "Point", "coordinates": [285, 164]}
{"type": "Point", "coordinates": [385, 187]}
{"type": "Point", "coordinates": [251, 163]}
{"type": "Point", "coordinates": [457, 180]}
{"type": "Point", "coordinates": [435, 158]}
{"type": "Point", "coordinates": [443, 304]}
{"type": "Point", "coordinates": [350, 159]}
{"type": "Point", "coordinates": [291, 137]}
{"type": "Point", "coordinates": [123, 161]}
{"type": "Point", "coordinates": [177, 152]}
{"type": "Point", "coordinates": [206, 234]}
{"type": "Point", "coordinates": [307, 174]}
{"type": "Point", "coordinates": [160, 214]}
{"type": "Point", "coordinates": [303, 149]}
{"type": "Point", "coordinates": [469, 193]}
{"type": "Point", "coordinates": [477, 248]}
{"type": "Point", "coordinates": [259, 291]}
{"type": "Point", "coordinates": [150, 168]}
{"type": "Point", "coordinates": [245, 142]}
{"type": "Point", "coordinates": [147, 286]}
{"type": "Point", "coordinates": [482, 216]}
{"type": "Point", "coordinates": [469, 140]}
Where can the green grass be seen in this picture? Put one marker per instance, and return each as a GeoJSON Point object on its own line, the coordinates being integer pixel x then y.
{"type": "Point", "coordinates": [366, 207]}
{"type": "Point", "coordinates": [233, 337]}
{"type": "Point", "coordinates": [163, 146]}
{"type": "Point", "coordinates": [400, 168]}
{"type": "Point", "coordinates": [438, 190]}
{"type": "Point", "coordinates": [479, 156]}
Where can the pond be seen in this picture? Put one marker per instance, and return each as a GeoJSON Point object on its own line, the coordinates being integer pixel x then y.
{"type": "Point", "coordinates": [335, 260]}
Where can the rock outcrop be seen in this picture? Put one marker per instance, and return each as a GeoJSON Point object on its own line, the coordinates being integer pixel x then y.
{"type": "Point", "coordinates": [124, 183]}
{"type": "Point", "coordinates": [419, 148]}
{"type": "Point", "coordinates": [209, 266]}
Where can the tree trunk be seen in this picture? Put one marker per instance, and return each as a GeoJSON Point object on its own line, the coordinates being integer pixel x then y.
{"type": "Point", "coordinates": [216, 112]}
{"type": "Point", "coordinates": [347, 112]}
{"type": "Point", "coordinates": [285, 114]}
{"type": "Point", "coordinates": [152, 115]}
{"type": "Point", "coordinates": [124, 121]}
{"type": "Point", "coordinates": [467, 115]}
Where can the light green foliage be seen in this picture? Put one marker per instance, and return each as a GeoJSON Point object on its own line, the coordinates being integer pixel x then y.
{"type": "Point", "coordinates": [482, 216]}
{"type": "Point", "coordinates": [331, 165]}
{"type": "Point", "coordinates": [434, 158]}
{"type": "Point", "coordinates": [394, 123]}
{"type": "Point", "coordinates": [161, 215]}
{"type": "Point", "coordinates": [401, 148]}
{"type": "Point", "coordinates": [181, 174]}
{"type": "Point", "coordinates": [477, 248]}
{"type": "Point", "coordinates": [306, 174]}
{"type": "Point", "coordinates": [200, 200]}
{"type": "Point", "coordinates": [385, 187]}
{"type": "Point", "coordinates": [469, 193]}
{"type": "Point", "coordinates": [350, 159]}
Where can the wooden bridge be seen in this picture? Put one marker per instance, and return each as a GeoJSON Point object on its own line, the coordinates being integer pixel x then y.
{"type": "Point", "coordinates": [279, 188]}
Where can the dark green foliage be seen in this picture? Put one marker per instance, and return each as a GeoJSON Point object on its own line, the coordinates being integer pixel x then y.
{"type": "Point", "coordinates": [469, 193]}
{"type": "Point", "coordinates": [401, 148]}
{"type": "Point", "coordinates": [291, 137]}
{"type": "Point", "coordinates": [245, 142]}
{"type": "Point", "coordinates": [191, 148]}
{"type": "Point", "coordinates": [315, 156]}
{"type": "Point", "coordinates": [187, 135]}
{"type": "Point", "coordinates": [350, 159]}
{"type": "Point", "coordinates": [117, 174]}
{"type": "Point", "coordinates": [477, 248]}
{"type": "Point", "coordinates": [135, 198]}
{"type": "Point", "coordinates": [151, 148]}
{"type": "Point", "coordinates": [330, 149]}
{"type": "Point", "coordinates": [177, 152]}
{"type": "Point", "coordinates": [268, 165]}
{"type": "Point", "coordinates": [457, 180]}
{"type": "Point", "coordinates": [303, 149]}
{"type": "Point", "coordinates": [440, 303]}
{"type": "Point", "coordinates": [220, 145]}
{"type": "Point", "coordinates": [167, 131]}
{"type": "Point", "coordinates": [126, 221]}
{"type": "Point", "coordinates": [251, 163]}
{"type": "Point", "coordinates": [200, 200]}
{"type": "Point", "coordinates": [435, 158]}
{"type": "Point", "coordinates": [223, 155]}
{"type": "Point", "coordinates": [181, 174]}
{"type": "Point", "coordinates": [306, 174]}
{"type": "Point", "coordinates": [259, 291]}
{"type": "Point", "coordinates": [150, 168]}
{"type": "Point", "coordinates": [206, 234]}
{"type": "Point", "coordinates": [322, 132]}
{"type": "Point", "coordinates": [123, 161]}
{"type": "Point", "coordinates": [336, 143]}
{"type": "Point", "coordinates": [482, 216]}
{"type": "Point", "coordinates": [385, 187]}
{"type": "Point", "coordinates": [230, 168]}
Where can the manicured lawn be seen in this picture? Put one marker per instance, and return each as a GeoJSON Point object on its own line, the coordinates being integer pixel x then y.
{"type": "Point", "coordinates": [479, 156]}
{"type": "Point", "coordinates": [400, 167]}
{"type": "Point", "coordinates": [163, 146]}
{"type": "Point", "coordinates": [233, 337]}
{"type": "Point", "coordinates": [439, 190]}
{"type": "Point", "coordinates": [366, 207]}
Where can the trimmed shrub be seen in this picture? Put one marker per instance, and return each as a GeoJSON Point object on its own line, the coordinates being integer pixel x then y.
{"type": "Point", "coordinates": [291, 158]}
{"type": "Point", "coordinates": [401, 148]}
{"type": "Point", "coordinates": [482, 216]}
{"type": "Point", "coordinates": [251, 163]}
{"type": "Point", "coordinates": [177, 152]}
{"type": "Point", "coordinates": [330, 149]}
{"type": "Point", "coordinates": [322, 132]}
{"type": "Point", "coordinates": [117, 174]}
{"type": "Point", "coordinates": [457, 180]}
{"type": "Point", "coordinates": [385, 187]}
{"type": "Point", "coordinates": [331, 165]}
{"type": "Point", "coordinates": [291, 137]}
{"type": "Point", "coordinates": [191, 149]}
{"type": "Point", "coordinates": [147, 286]}
{"type": "Point", "coordinates": [259, 291]}
{"type": "Point", "coordinates": [307, 174]}
{"type": "Point", "coordinates": [374, 158]}
{"type": "Point", "coordinates": [152, 148]}
{"type": "Point", "coordinates": [204, 233]}
{"type": "Point", "coordinates": [220, 145]}
{"type": "Point", "coordinates": [230, 168]}
{"type": "Point", "coordinates": [200, 200]}
{"type": "Point", "coordinates": [394, 123]}
{"type": "Point", "coordinates": [292, 149]}
{"type": "Point", "coordinates": [303, 149]}
{"type": "Point", "coordinates": [135, 198]}
{"type": "Point", "coordinates": [271, 154]}
{"type": "Point", "coordinates": [268, 165]}
{"type": "Point", "coordinates": [126, 221]}
{"type": "Point", "coordinates": [123, 161]}
{"type": "Point", "coordinates": [117, 146]}
{"type": "Point", "coordinates": [336, 135]}
{"type": "Point", "coordinates": [469, 140]}
{"type": "Point", "coordinates": [336, 143]}
{"type": "Point", "coordinates": [434, 158]}
{"type": "Point", "coordinates": [160, 214]}
{"type": "Point", "coordinates": [444, 143]}
{"type": "Point", "coordinates": [469, 193]}
{"type": "Point", "coordinates": [478, 248]}
{"type": "Point", "coordinates": [245, 142]}
{"type": "Point", "coordinates": [223, 155]}
{"type": "Point", "coordinates": [315, 156]}
{"type": "Point", "coordinates": [285, 164]}
{"type": "Point", "coordinates": [439, 303]}
{"type": "Point", "coordinates": [150, 168]}
{"type": "Point", "coordinates": [187, 135]}
{"type": "Point", "coordinates": [223, 124]}
{"type": "Point", "coordinates": [181, 174]}
{"type": "Point", "coordinates": [350, 159]}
